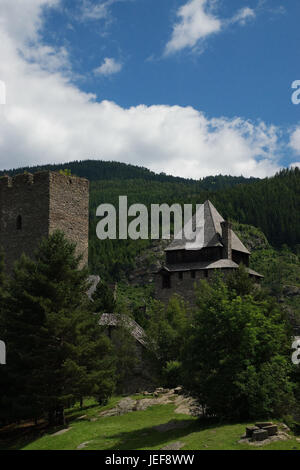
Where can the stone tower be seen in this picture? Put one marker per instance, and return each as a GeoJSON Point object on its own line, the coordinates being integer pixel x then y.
{"type": "Point", "coordinates": [33, 206]}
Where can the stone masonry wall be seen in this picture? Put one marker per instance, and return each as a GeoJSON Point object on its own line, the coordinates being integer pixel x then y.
{"type": "Point", "coordinates": [69, 210]}
{"type": "Point", "coordinates": [24, 198]}
{"type": "Point", "coordinates": [184, 287]}
{"type": "Point", "coordinates": [33, 206]}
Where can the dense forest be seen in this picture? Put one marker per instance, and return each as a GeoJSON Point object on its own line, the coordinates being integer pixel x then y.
{"type": "Point", "coordinates": [271, 204]}
{"type": "Point", "coordinates": [95, 170]}
{"type": "Point", "coordinates": [253, 365]}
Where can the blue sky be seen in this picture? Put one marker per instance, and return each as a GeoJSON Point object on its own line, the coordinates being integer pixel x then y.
{"type": "Point", "coordinates": [188, 87]}
{"type": "Point", "coordinates": [245, 70]}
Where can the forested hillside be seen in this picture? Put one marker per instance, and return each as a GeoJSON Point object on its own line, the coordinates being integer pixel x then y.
{"type": "Point", "coordinates": [270, 204]}
{"type": "Point", "coordinates": [96, 170]}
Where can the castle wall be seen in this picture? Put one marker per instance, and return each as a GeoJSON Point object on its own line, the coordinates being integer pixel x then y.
{"type": "Point", "coordinates": [184, 287]}
{"type": "Point", "coordinates": [24, 214]}
{"type": "Point", "coordinates": [33, 206]}
{"type": "Point", "coordinates": [69, 210]}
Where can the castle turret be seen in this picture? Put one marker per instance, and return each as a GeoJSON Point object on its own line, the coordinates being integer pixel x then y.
{"type": "Point", "coordinates": [33, 206]}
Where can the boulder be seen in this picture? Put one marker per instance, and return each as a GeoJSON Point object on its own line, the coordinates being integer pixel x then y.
{"type": "Point", "coordinates": [260, 435]}
{"type": "Point", "coordinates": [263, 424]}
{"type": "Point", "coordinates": [291, 291]}
{"type": "Point", "coordinates": [271, 430]}
{"type": "Point", "coordinates": [250, 430]}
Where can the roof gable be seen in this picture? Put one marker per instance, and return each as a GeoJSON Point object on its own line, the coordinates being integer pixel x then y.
{"type": "Point", "coordinates": [206, 225]}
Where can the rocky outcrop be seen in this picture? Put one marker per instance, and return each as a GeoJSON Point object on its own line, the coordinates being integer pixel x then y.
{"type": "Point", "coordinates": [291, 291]}
{"type": "Point", "coordinates": [265, 433]}
{"type": "Point", "coordinates": [184, 404]}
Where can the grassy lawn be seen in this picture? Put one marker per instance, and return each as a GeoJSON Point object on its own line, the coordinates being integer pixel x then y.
{"type": "Point", "coordinates": [136, 431]}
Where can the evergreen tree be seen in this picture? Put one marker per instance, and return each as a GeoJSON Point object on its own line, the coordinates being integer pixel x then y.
{"type": "Point", "coordinates": [167, 328]}
{"type": "Point", "coordinates": [56, 352]}
{"type": "Point", "coordinates": [103, 299]}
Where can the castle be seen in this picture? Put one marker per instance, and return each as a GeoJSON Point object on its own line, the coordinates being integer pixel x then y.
{"type": "Point", "coordinates": [33, 206]}
{"type": "Point", "coordinates": [215, 247]}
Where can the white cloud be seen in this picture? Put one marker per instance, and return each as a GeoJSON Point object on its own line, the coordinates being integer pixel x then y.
{"type": "Point", "coordinates": [22, 20]}
{"type": "Point", "coordinates": [48, 119]}
{"type": "Point", "coordinates": [90, 11]}
{"type": "Point", "coordinates": [109, 67]}
{"type": "Point", "coordinates": [295, 140]}
{"type": "Point", "coordinates": [197, 21]}
{"type": "Point", "coordinates": [295, 164]}
{"type": "Point", "coordinates": [97, 11]}
{"type": "Point", "coordinates": [243, 15]}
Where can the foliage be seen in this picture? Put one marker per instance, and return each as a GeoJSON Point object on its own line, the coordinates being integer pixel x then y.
{"type": "Point", "coordinates": [65, 171]}
{"type": "Point", "coordinates": [237, 361]}
{"type": "Point", "coordinates": [167, 327]}
{"type": "Point", "coordinates": [270, 204]}
{"type": "Point", "coordinates": [103, 299]}
{"type": "Point", "coordinates": [127, 359]}
{"type": "Point", "coordinates": [55, 350]}
{"type": "Point", "coordinates": [172, 373]}
{"type": "Point", "coordinates": [262, 204]}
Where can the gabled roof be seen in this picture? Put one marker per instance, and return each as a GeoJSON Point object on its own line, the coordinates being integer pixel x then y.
{"type": "Point", "coordinates": [113, 319]}
{"type": "Point", "coordinates": [201, 265]}
{"type": "Point", "coordinates": [206, 224]}
{"type": "Point", "coordinates": [205, 265]}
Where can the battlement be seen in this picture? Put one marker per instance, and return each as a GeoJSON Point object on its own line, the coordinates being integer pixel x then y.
{"type": "Point", "coordinates": [46, 177]}
{"type": "Point", "coordinates": [33, 206]}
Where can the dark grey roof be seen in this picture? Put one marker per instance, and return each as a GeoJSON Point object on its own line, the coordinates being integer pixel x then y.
{"type": "Point", "coordinates": [253, 273]}
{"type": "Point", "coordinates": [114, 319]}
{"type": "Point", "coordinates": [207, 225]}
{"type": "Point", "coordinates": [219, 264]}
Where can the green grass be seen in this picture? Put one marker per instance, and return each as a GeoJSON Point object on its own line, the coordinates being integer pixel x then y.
{"type": "Point", "coordinates": [135, 431]}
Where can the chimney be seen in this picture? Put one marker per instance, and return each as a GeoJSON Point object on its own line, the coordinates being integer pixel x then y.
{"type": "Point", "coordinates": [226, 239]}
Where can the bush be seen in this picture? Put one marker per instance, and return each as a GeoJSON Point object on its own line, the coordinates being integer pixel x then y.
{"type": "Point", "coordinates": [172, 374]}
{"type": "Point", "coordinates": [237, 356]}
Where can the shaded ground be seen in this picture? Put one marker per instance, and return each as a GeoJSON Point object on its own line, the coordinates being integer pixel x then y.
{"type": "Point", "coordinates": [156, 427]}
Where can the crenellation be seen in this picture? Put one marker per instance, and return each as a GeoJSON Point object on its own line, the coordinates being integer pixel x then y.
{"type": "Point", "coordinates": [22, 179]}
{"type": "Point", "coordinates": [33, 206]}
{"type": "Point", "coordinates": [5, 181]}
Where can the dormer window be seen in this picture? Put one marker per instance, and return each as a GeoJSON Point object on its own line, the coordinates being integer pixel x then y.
{"type": "Point", "coordinates": [19, 222]}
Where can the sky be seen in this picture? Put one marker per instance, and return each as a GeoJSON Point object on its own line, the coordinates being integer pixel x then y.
{"type": "Point", "coordinates": [187, 87]}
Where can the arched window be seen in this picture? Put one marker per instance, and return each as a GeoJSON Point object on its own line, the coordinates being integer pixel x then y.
{"type": "Point", "coordinates": [19, 222]}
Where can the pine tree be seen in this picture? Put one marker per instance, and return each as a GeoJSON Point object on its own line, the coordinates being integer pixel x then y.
{"type": "Point", "coordinates": [56, 351]}
{"type": "Point", "coordinates": [103, 299]}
